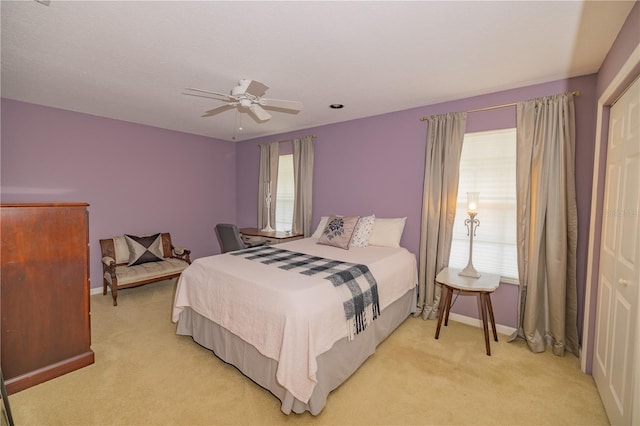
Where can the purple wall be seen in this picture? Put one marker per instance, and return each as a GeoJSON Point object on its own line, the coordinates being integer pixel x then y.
{"type": "Point", "coordinates": [627, 40]}
{"type": "Point", "coordinates": [137, 179]}
{"type": "Point", "coordinates": [376, 165]}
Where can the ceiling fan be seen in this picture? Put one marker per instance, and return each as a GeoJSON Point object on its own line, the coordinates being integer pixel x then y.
{"type": "Point", "coordinates": [246, 95]}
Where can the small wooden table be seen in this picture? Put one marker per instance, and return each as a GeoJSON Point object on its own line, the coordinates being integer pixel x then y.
{"type": "Point", "coordinates": [275, 237]}
{"type": "Point", "coordinates": [482, 287]}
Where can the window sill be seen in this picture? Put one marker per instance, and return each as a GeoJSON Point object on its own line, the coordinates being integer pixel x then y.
{"type": "Point", "coordinates": [512, 281]}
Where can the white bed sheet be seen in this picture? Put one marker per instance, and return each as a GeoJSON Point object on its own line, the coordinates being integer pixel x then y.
{"type": "Point", "coordinates": [287, 316]}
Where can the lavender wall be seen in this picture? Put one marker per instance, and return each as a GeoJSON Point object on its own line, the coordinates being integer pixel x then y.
{"type": "Point", "coordinates": [627, 40]}
{"type": "Point", "coordinates": [376, 165]}
{"type": "Point", "coordinates": [137, 179]}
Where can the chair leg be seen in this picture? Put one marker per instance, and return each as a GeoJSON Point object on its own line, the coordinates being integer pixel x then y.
{"type": "Point", "coordinates": [7, 416]}
{"type": "Point", "coordinates": [114, 293]}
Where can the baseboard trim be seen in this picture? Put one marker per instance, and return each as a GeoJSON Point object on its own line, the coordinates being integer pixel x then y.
{"type": "Point", "coordinates": [95, 290]}
{"type": "Point", "coordinates": [475, 322]}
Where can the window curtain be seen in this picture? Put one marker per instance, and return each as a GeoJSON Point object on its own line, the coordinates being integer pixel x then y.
{"type": "Point", "coordinates": [268, 179]}
{"type": "Point", "coordinates": [303, 181]}
{"type": "Point", "coordinates": [445, 135]}
{"type": "Point", "coordinates": [547, 224]}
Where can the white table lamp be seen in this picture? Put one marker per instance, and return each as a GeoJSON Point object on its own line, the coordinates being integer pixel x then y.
{"type": "Point", "coordinates": [472, 223]}
{"type": "Point", "coordinates": [267, 201]}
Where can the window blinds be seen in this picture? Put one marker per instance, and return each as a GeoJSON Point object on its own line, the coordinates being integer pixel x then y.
{"type": "Point", "coordinates": [488, 166]}
{"type": "Point", "coordinates": [286, 193]}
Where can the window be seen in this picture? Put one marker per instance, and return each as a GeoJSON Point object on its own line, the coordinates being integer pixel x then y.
{"type": "Point", "coordinates": [488, 166]}
{"type": "Point", "coordinates": [286, 193]}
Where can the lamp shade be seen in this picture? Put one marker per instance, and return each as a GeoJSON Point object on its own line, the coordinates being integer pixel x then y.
{"type": "Point", "coordinates": [473, 199]}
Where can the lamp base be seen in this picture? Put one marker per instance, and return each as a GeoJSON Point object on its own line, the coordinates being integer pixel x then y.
{"type": "Point", "coordinates": [268, 228]}
{"type": "Point", "coordinates": [470, 272]}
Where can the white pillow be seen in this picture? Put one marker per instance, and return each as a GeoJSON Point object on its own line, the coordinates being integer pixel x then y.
{"type": "Point", "coordinates": [387, 232]}
{"type": "Point", "coordinates": [321, 226]}
{"type": "Point", "coordinates": [362, 233]}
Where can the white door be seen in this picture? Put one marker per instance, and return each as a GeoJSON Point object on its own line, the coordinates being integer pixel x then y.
{"type": "Point", "coordinates": [615, 353]}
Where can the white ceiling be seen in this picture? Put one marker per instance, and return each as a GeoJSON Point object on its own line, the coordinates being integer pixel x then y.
{"type": "Point", "coordinates": [132, 60]}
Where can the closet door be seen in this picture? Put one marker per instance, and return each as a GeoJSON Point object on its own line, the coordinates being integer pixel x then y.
{"type": "Point", "coordinates": [615, 353]}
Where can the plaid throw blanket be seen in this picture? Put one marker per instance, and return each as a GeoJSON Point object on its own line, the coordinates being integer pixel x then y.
{"type": "Point", "coordinates": [357, 287]}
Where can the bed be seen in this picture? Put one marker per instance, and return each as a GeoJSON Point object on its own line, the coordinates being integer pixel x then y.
{"type": "Point", "coordinates": [287, 329]}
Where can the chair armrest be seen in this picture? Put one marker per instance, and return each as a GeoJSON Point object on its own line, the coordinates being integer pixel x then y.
{"type": "Point", "coordinates": [181, 253]}
{"type": "Point", "coordinates": [109, 265]}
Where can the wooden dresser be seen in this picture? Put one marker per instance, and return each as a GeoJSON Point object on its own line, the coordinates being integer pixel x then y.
{"type": "Point", "coordinates": [45, 328]}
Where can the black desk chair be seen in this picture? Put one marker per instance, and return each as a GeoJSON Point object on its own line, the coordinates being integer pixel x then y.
{"type": "Point", "coordinates": [230, 240]}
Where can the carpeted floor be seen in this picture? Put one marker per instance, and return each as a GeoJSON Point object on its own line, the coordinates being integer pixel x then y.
{"type": "Point", "coordinates": [145, 374]}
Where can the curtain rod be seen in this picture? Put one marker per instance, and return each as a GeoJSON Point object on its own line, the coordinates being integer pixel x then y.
{"type": "Point", "coordinates": [424, 118]}
{"type": "Point", "coordinates": [291, 140]}
{"type": "Point", "coordinates": [288, 140]}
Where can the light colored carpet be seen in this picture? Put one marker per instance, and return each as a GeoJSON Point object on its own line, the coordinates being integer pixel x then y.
{"type": "Point", "coordinates": [145, 374]}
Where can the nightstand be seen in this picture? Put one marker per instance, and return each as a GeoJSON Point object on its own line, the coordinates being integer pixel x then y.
{"type": "Point", "coordinates": [482, 287]}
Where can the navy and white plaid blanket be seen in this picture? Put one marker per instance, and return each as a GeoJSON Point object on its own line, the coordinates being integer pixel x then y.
{"type": "Point", "coordinates": [355, 283]}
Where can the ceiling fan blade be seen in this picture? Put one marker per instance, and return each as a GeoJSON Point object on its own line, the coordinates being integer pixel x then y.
{"type": "Point", "coordinates": [259, 113]}
{"type": "Point", "coordinates": [219, 109]}
{"type": "Point", "coordinates": [281, 103]}
{"type": "Point", "coordinates": [202, 92]}
{"type": "Point", "coordinates": [256, 88]}
{"type": "Point", "coordinates": [206, 97]}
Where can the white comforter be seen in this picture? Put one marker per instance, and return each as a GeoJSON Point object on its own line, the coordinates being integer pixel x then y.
{"type": "Point", "coordinates": [287, 316]}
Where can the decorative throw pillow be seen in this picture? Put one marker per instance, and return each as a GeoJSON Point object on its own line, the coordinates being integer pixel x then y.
{"type": "Point", "coordinates": [144, 249]}
{"type": "Point", "coordinates": [321, 226]}
{"type": "Point", "coordinates": [362, 233]}
{"type": "Point", "coordinates": [387, 232]}
{"type": "Point", "coordinates": [338, 231]}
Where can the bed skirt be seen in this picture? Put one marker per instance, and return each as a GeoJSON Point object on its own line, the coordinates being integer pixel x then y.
{"type": "Point", "coordinates": [334, 366]}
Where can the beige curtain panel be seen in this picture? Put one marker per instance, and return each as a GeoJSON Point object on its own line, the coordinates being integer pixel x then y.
{"type": "Point", "coordinates": [445, 135]}
{"type": "Point", "coordinates": [547, 224]}
{"type": "Point", "coordinates": [303, 181]}
{"type": "Point", "coordinates": [269, 158]}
